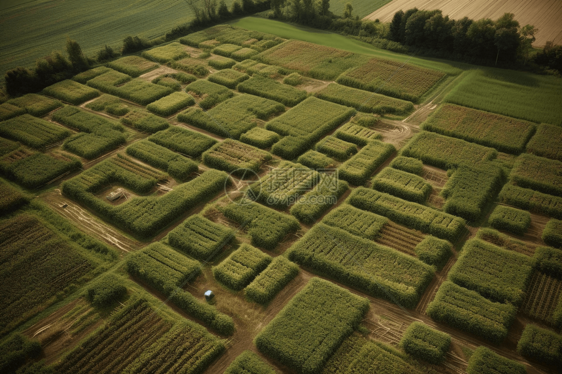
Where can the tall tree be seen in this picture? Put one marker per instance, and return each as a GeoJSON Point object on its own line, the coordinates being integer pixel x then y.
{"type": "Point", "coordinates": [75, 55]}
{"type": "Point", "coordinates": [347, 11]}
{"type": "Point", "coordinates": [527, 39]}
{"type": "Point", "coordinates": [395, 26]}
{"type": "Point", "coordinates": [324, 7]}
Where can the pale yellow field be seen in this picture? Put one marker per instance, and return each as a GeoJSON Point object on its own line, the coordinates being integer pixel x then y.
{"type": "Point", "coordinates": [546, 15]}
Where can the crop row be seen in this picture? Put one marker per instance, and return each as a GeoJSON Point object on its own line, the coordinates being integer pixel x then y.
{"type": "Point", "coordinates": [360, 167]}
{"type": "Point", "coordinates": [200, 238]}
{"type": "Point", "coordinates": [312, 326]}
{"type": "Point", "coordinates": [272, 280]}
{"type": "Point", "coordinates": [240, 268]}
{"type": "Point", "coordinates": [505, 241]}
{"type": "Point", "coordinates": [266, 227]}
{"type": "Point", "coordinates": [496, 273]}
{"type": "Point", "coordinates": [357, 134]}
{"type": "Point", "coordinates": [356, 221]}
{"type": "Point", "coordinates": [360, 263]}
{"type": "Point", "coordinates": [525, 198]}
{"type": "Point", "coordinates": [33, 132]}
{"type": "Point", "coordinates": [402, 184]}
{"type": "Point", "coordinates": [235, 157]}
{"type": "Point", "coordinates": [412, 215]}
{"type": "Point", "coordinates": [543, 301]}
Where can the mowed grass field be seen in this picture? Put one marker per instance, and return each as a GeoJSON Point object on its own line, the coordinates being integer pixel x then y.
{"type": "Point", "coordinates": [543, 14]}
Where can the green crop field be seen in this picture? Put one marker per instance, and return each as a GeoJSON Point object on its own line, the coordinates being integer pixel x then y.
{"type": "Point", "coordinates": [260, 197]}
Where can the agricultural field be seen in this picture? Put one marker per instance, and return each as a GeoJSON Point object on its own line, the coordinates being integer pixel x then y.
{"type": "Point", "coordinates": [276, 199]}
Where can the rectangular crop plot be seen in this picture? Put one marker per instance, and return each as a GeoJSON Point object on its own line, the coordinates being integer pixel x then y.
{"type": "Point", "coordinates": [271, 89]}
{"type": "Point", "coordinates": [241, 267]}
{"type": "Point", "coordinates": [425, 343]}
{"type": "Point", "coordinates": [392, 78]}
{"type": "Point", "coordinates": [36, 264]}
{"type": "Point", "coordinates": [108, 81]}
{"type": "Point", "coordinates": [547, 142]}
{"type": "Point", "coordinates": [226, 49]}
{"type": "Point", "coordinates": [235, 157]}
{"type": "Point", "coordinates": [36, 105]}
{"type": "Point", "coordinates": [469, 311]}
{"type": "Point", "coordinates": [362, 264]}
{"type": "Point", "coordinates": [228, 77]}
{"type": "Point", "coordinates": [162, 267]}
{"type": "Point", "coordinates": [200, 238]}
{"type": "Point", "coordinates": [525, 198]}
{"type": "Point", "coordinates": [172, 51]}
{"type": "Point", "coordinates": [336, 148]}
{"type": "Point", "coordinates": [259, 137]}
{"type": "Point", "coordinates": [85, 76]}
{"type": "Point", "coordinates": [272, 280]}
{"type": "Point", "coordinates": [171, 104]}
{"type": "Point", "coordinates": [495, 273]}
{"type": "Point", "coordinates": [402, 184]}
{"type": "Point", "coordinates": [144, 121]}
{"type": "Point", "coordinates": [266, 227]}
{"type": "Point", "coordinates": [210, 93]}
{"type": "Point", "coordinates": [109, 104]}
{"type": "Point", "coordinates": [184, 141]}
{"type": "Point", "coordinates": [284, 184]}
{"type": "Point", "coordinates": [316, 160]}
{"type": "Point", "coordinates": [538, 173]}
{"type": "Point", "coordinates": [357, 134]}
{"type": "Point", "coordinates": [311, 327]}
{"type": "Point", "coordinates": [492, 130]}
{"type": "Point", "coordinates": [364, 101]}
{"type": "Point", "coordinates": [219, 62]}
{"type": "Point", "coordinates": [444, 152]}
{"type": "Point", "coordinates": [178, 166]}
{"type": "Point", "coordinates": [8, 111]}
{"type": "Point", "coordinates": [233, 117]}
{"type": "Point", "coordinates": [510, 219]}
{"type": "Point", "coordinates": [10, 198]}
{"type": "Point", "coordinates": [360, 167]}
{"type": "Point", "coordinates": [413, 215]}
{"type": "Point", "coordinates": [191, 66]}
{"type": "Point", "coordinates": [33, 132]}
{"type": "Point", "coordinates": [133, 65]}
{"type": "Point", "coordinates": [249, 363]}
{"type": "Point", "coordinates": [141, 92]}
{"type": "Point", "coordinates": [71, 92]}
{"type": "Point", "coordinates": [356, 221]}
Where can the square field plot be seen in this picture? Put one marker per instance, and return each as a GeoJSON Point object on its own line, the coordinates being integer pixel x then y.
{"type": "Point", "coordinates": [172, 51]}
{"type": "Point", "coordinates": [71, 92]}
{"type": "Point", "coordinates": [241, 267]}
{"type": "Point", "coordinates": [219, 62]}
{"type": "Point", "coordinates": [538, 173]}
{"type": "Point", "coordinates": [235, 157]}
{"type": "Point", "coordinates": [192, 66]}
{"type": "Point", "coordinates": [33, 132]}
{"type": "Point", "coordinates": [171, 104]}
{"type": "Point", "coordinates": [85, 76]}
{"type": "Point", "coordinates": [228, 77]}
{"type": "Point", "coordinates": [546, 142]}
{"type": "Point", "coordinates": [209, 93]}
{"type": "Point", "coordinates": [109, 104]}
{"type": "Point", "coordinates": [141, 92]}
{"type": "Point", "coordinates": [311, 327]}
{"type": "Point", "coordinates": [184, 141]}
{"type": "Point", "coordinates": [271, 89]}
{"type": "Point", "coordinates": [133, 65]}
{"type": "Point", "coordinates": [259, 137]}
{"type": "Point", "coordinates": [272, 280]}
{"type": "Point", "coordinates": [144, 121]}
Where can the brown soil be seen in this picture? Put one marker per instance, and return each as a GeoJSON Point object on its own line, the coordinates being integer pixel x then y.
{"type": "Point", "coordinates": [396, 133]}
{"type": "Point", "coordinates": [163, 69]}
{"type": "Point", "coordinates": [543, 14]}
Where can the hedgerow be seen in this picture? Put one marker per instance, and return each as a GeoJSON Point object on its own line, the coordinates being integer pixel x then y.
{"type": "Point", "coordinates": [228, 77]}
{"type": "Point", "coordinates": [163, 54]}
{"type": "Point", "coordinates": [284, 184]}
{"type": "Point", "coordinates": [179, 167]}
{"type": "Point", "coordinates": [510, 219]}
{"type": "Point", "coordinates": [363, 264]}
{"type": "Point", "coordinates": [71, 92]}
{"type": "Point", "coordinates": [495, 273]}
{"type": "Point", "coordinates": [445, 152]}
{"type": "Point", "coordinates": [336, 148]}
{"type": "Point", "coordinates": [425, 343]}
{"type": "Point", "coordinates": [552, 233]}
{"type": "Point", "coordinates": [16, 350]}
{"type": "Point", "coordinates": [364, 101]}
{"type": "Point", "coordinates": [469, 311]}
{"type": "Point", "coordinates": [85, 76]}
{"type": "Point", "coordinates": [233, 117]}
{"type": "Point", "coordinates": [356, 221]}
{"type": "Point", "coordinates": [408, 164]}
{"type": "Point", "coordinates": [433, 251]}
{"type": "Point", "coordinates": [144, 121]}
{"type": "Point", "coordinates": [546, 142]}
{"type": "Point", "coordinates": [211, 93]}
{"type": "Point", "coordinates": [249, 363]}
{"type": "Point", "coordinates": [402, 184]}
{"type": "Point", "coordinates": [271, 89]}
{"type": "Point", "coordinates": [360, 167]}
{"type": "Point", "coordinates": [266, 227]}
{"type": "Point", "coordinates": [525, 198]}
{"type": "Point", "coordinates": [413, 215]}
{"type": "Point", "coordinates": [272, 280]}
{"type": "Point", "coordinates": [549, 261]}
{"type": "Point", "coordinates": [233, 156]}
{"type": "Point", "coordinates": [311, 326]}
{"type": "Point", "coordinates": [33, 170]}
{"type": "Point", "coordinates": [259, 137]}
{"type": "Point", "coordinates": [10, 198]}
{"type": "Point", "coordinates": [106, 290]}
{"type": "Point", "coordinates": [357, 134]}
{"type": "Point", "coordinates": [184, 141]}
{"type": "Point", "coordinates": [486, 361]}
{"type": "Point", "coordinates": [36, 105]}
{"type": "Point", "coordinates": [109, 104]}
{"type": "Point", "coordinates": [471, 189]}
{"type": "Point", "coordinates": [226, 49]}
{"type": "Point", "coordinates": [171, 104]}
{"type": "Point", "coordinates": [219, 62]}
{"type": "Point", "coordinates": [240, 268]}
{"type": "Point", "coordinates": [538, 173]}
{"type": "Point", "coordinates": [132, 65]}
{"type": "Point", "coordinates": [243, 54]}
{"type": "Point", "coordinates": [33, 132]}
{"type": "Point", "coordinates": [492, 130]}
{"type": "Point", "coordinates": [316, 160]}
{"type": "Point", "coordinates": [317, 201]}
{"type": "Point", "coordinates": [191, 66]}
{"type": "Point", "coordinates": [200, 238]}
